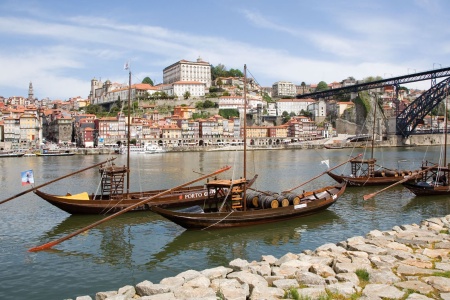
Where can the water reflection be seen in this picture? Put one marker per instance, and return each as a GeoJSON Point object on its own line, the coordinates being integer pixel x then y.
{"type": "Point", "coordinates": [220, 246]}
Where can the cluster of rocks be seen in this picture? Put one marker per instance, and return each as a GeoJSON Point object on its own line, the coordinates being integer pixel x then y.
{"type": "Point", "coordinates": [408, 262]}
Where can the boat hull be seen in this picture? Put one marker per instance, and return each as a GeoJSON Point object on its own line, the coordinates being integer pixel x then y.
{"type": "Point", "coordinates": [183, 197]}
{"type": "Point", "coordinates": [216, 220]}
{"type": "Point", "coordinates": [425, 189]}
{"type": "Point", "coordinates": [193, 195]}
{"type": "Point", "coordinates": [11, 155]}
{"type": "Point", "coordinates": [368, 181]}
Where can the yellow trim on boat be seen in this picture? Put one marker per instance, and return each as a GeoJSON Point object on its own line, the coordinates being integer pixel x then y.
{"type": "Point", "coordinates": [80, 196]}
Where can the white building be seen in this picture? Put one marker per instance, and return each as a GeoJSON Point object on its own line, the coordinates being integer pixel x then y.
{"type": "Point", "coordinates": [179, 88]}
{"type": "Point", "coordinates": [183, 70]}
{"type": "Point", "coordinates": [283, 88]}
{"type": "Point", "coordinates": [295, 105]}
{"type": "Point", "coordinates": [237, 102]}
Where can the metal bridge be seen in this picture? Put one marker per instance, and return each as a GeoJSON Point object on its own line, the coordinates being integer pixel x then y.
{"type": "Point", "coordinates": [413, 114]}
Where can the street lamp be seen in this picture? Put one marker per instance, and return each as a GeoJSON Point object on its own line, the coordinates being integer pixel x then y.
{"type": "Point", "coordinates": [384, 75]}
{"type": "Point", "coordinates": [437, 64]}
{"type": "Point", "coordinates": [411, 69]}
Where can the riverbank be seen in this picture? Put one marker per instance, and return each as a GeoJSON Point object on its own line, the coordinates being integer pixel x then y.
{"type": "Point", "coordinates": [407, 262]}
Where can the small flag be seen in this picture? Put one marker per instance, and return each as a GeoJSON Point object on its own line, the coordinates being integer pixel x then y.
{"type": "Point", "coordinates": [27, 177]}
{"type": "Point", "coordinates": [126, 66]}
{"type": "Point", "coordinates": [326, 162]}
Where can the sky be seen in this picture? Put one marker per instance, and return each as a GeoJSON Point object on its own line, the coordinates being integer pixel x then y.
{"type": "Point", "coordinates": [60, 46]}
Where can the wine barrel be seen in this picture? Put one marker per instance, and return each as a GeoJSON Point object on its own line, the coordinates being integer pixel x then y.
{"type": "Point", "coordinates": [252, 198]}
{"type": "Point", "coordinates": [391, 173]}
{"type": "Point", "coordinates": [282, 201]}
{"type": "Point", "coordinates": [293, 198]}
{"type": "Point", "coordinates": [265, 201]}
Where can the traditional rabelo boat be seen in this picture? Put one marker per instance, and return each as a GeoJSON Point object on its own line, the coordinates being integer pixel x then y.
{"type": "Point", "coordinates": [114, 193]}
{"type": "Point", "coordinates": [434, 178]}
{"type": "Point", "coordinates": [366, 172]}
{"type": "Point", "coordinates": [231, 203]}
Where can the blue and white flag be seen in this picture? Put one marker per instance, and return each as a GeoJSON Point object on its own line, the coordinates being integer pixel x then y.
{"type": "Point", "coordinates": [27, 177]}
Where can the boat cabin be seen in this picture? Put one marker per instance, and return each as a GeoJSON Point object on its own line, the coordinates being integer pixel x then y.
{"type": "Point", "coordinates": [437, 176]}
{"type": "Point", "coordinates": [363, 167]}
{"type": "Point", "coordinates": [226, 195]}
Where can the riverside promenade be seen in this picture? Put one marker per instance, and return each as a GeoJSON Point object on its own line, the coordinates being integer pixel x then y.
{"type": "Point", "coordinates": [410, 262]}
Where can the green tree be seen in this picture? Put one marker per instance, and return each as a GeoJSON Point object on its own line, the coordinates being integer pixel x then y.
{"type": "Point", "coordinates": [218, 71]}
{"type": "Point", "coordinates": [285, 117]}
{"type": "Point", "coordinates": [228, 113]}
{"type": "Point", "coordinates": [322, 86]}
{"type": "Point", "coordinates": [303, 85]}
{"type": "Point", "coordinates": [235, 73]}
{"type": "Point", "coordinates": [147, 80]}
{"type": "Point", "coordinates": [186, 95]}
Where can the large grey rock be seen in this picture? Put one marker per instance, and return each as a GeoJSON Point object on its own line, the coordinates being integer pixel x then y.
{"type": "Point", "coordinates": [252, 280]}
{"type": "Point", "coordinates": [104, 295]}
{"type": "Point", "coordinates": [309, 278]}
{"type": "Point", "coordinates": [219, 272]}
{"type": "Point", "coordinates": [415, 285]}
{"type": "Point", "coordinates": [147, 288]}
{"type": "Point", "coordinates": [442, 284]}
{"type": "Point", "coordinates": [383, 291]}
{"type": "Point", "coordinates": [266, 293]}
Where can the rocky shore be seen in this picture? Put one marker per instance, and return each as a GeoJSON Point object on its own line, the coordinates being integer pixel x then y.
{"type": "Point", "coordinates": [408, 262]}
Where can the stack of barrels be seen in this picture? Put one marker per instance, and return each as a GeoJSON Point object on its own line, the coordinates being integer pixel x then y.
{"type": "Point", "coordinates": [262, 200]}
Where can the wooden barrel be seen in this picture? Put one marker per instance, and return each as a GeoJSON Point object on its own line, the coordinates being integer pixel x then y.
{"type": "Point", "coordinates": [391, 173]}
{"type": "Point", "coordinates": [294, 199]}
{"type": "Point", "coordinates": [252, 198]}
{"type": "Point", "coordinates": [282, 201]}
{"type": "Point", "coordinates": [265, 201]}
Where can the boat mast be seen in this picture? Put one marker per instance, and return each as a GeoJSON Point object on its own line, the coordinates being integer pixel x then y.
{"type": "Point", "coordinates": [245, 135]}
{"type": "Point", "coordinates": [374, 125]}
{"type": "Point", "coordinates": [445, 128]}
{"type": "Point", "coordinates": [128, 134]}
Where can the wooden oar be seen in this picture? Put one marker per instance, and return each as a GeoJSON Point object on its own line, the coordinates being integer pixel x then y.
{"type": "Point", "coordinates": [51, 244]}
{"type": "Point", "coordinates": [54, 180]}
{"type": "Point", "coordinates": [288, 191]}
{"type": "Point", "coordinates": [413, 176]}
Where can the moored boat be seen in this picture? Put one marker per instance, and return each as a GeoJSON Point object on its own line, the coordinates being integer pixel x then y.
{"type": "Point", "coordinates": [11, 154]}
{"type": "Point", "coordinates": [310, 202]}
{"type": "Point", "coordinates": [364, 173]}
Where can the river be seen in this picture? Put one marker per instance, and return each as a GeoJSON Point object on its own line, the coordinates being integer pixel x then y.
{"type": "Point", "coordinates": [143, 246]}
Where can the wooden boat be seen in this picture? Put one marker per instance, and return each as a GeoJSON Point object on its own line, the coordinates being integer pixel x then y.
{"type": "Point", "coordinates": [114, 195]}
{"type": "Point", "coordinates": [113, 199]}
{"type": "Point", "coordinates": [333, 146]}
{"type": "Point", "coordinates": [434, 178]}
{"type": "Point", "coordinates": [11, 154]}
{"type": "Point", "coordinates": [365, 172]}
{"type": "Point", "coordinates": [231, 203]}
{"type": "Point", "coordinates": [309, 203]}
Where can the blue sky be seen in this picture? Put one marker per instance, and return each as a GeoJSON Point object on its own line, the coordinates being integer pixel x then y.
{"type": "Point", "coordinates": [61, 45]}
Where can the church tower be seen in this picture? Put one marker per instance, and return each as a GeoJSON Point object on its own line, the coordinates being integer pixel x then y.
{"type": "Point", "coordinates": [30, 92]}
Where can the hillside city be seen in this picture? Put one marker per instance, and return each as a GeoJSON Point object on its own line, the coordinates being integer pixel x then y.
{"type": "Point", "coordinates": [190, 108]}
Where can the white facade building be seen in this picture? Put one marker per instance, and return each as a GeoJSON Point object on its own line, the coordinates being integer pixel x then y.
{"type": "Point", "coordinates": [237, 102]}
{"type": "Point", "coordinates": [295, 105]}
{"type": "Point", "coordinates": [183, 70]}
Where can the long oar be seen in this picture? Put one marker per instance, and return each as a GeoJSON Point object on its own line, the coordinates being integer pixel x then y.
{"type": "Point", "coordinates": [51, 244]}
{"type": "Point", "coordinates": [288, 191]}
{"type": "Point", "coordinates": [413, 176]}
{"type": "Point", "coordinates": [54, 180]}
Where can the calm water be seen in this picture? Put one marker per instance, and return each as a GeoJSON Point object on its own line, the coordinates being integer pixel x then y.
{"type": "Point", "coordinates": [142, 246]}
